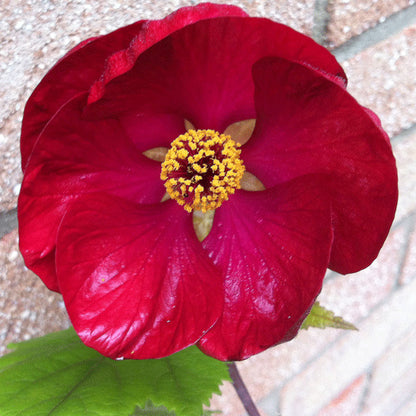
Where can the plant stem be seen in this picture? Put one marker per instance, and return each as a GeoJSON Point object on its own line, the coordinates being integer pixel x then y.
{"type": "Point", "coordinates": [242, 391]}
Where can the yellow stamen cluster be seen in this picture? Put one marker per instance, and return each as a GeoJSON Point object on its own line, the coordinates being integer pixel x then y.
{"type": "Point", "coordinates": [201, 169]}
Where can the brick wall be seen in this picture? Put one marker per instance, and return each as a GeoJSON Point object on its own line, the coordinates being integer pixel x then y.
{"type": "Point", "coordinates": [321, 373]}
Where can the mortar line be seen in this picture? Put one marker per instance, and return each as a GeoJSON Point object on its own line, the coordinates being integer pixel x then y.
{"type": "Point", "coordinates": [367, 388]}
{"type": "Point", "coordinates": [407, 131]}
{"type": "Point", "coordinates": [8, 221]}
{"type": "Point", "coordinates": [382, 31]}
{"type": "Point", "coordinates": [405, 251]}
{"type": "Point", "coordinates": [321, 20]}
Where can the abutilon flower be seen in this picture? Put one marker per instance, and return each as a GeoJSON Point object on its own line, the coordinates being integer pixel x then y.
{"type": "Point", "coordinates": [189, 181]}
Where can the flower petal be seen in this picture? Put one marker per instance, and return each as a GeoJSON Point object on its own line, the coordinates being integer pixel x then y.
{"type": "Point", "coordinates": [152, 32]}
{"type": "Point", "coordinates": [73, 74]}
{"type": "Point", "coordinates": [135, 281]}
{"type": "Point", "coordinates": [150, 130]}
{"type": "Point", "coordinates": [306, 124]}
{"type": "Point", "coordinates": [273, 249]}
{"type": "Point", "coordinates": [178, 73]}
{"type": "Point", "coordinates": [75, 156]}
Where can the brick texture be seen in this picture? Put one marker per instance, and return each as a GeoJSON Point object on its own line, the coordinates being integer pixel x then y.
{"type": "Point", "coordinates": [408, 408]}
{"type": "Point", "coordinates": [354, 296]}
{"type": "Point", "coordinates": [348, 358]}
{"type": "Point", "coordinates": [409, 263]}
{"type": "Point", "coordinates": [391, 368]}
{"type": "Point", "coordinates": [382, 78]}
{"type": "Point", "coordinates": [396, 397]}
{"type": "Point", "coordinates": [349, 18]}
{"type": "Point", "coordinates": [349, 401]}
{"type": "Point", "coordinates": [27, 308]}
{"type": "Point", "coordinates": [267, 371]}
{"type": "Point", "coordinates": [405, 152]}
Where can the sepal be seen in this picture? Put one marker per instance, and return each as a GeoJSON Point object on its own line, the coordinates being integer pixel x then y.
{"type": "Point", "coordinates": [320, 317]}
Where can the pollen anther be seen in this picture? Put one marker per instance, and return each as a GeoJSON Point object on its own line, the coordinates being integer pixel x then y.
{"type": "Point", "coordinates": [201, 169]}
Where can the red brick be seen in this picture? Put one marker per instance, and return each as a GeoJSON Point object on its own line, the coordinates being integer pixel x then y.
{"type": "Point", "coordinates": [349, 401]}
{"type": "Point", "coordinates": [349, 18]}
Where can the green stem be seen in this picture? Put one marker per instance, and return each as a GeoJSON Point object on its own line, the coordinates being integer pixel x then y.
{"type": "Point", "coordinates": [242, 391]}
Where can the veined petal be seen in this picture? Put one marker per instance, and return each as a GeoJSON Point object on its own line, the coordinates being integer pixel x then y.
{"type": "Point", "coordinates": [306, 124]}
{"type": "Point", "coordinates": [73, 74]}
{"type": "Point", "coordinates": [135, 281]}
{"type": "Point", "coordinates": [152, 32]}
{"type": "Point", "coordinates": [178, 73]}
{"type": "Point", "coordinates": [273, 249]}
{"type": "Point", "coordinates": [75, 156]}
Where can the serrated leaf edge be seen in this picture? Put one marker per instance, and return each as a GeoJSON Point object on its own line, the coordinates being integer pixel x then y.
{"type": "Point", "coordinates": [331, 321]}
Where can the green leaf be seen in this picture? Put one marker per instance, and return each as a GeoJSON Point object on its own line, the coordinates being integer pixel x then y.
{"type": "Point", "coordinates": [151, 410]}
{"type": "Point", "coordinates": [57, 375]}
{"type": "Point", "coordinates": [319, 317]}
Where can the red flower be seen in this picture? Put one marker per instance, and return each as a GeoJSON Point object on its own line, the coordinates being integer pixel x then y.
{"type": "Point", "coordinates": [95, 224]}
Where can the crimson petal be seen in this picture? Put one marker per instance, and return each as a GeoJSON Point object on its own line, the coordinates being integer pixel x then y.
{"type": "Point", "coordinates": [73, 74]}
{"type": "Point", "coordinates": [134, 278]}
{"type": "Point", "coordinates": [149, 130]}
{"type": "Point", "coordinates": [152, 32]}
{"type": "Point", "coordinates": [307, 124]}
{"type": "Point", "coordinates": [273, 249]}
{"type": "Point", "coordinates": [178, 73]}
{"type": "Point", "coordinates": [74, 156]}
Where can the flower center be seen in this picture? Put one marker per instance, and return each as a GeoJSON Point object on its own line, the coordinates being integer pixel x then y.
{"type": "Point", "coordinates": [201, 169]}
